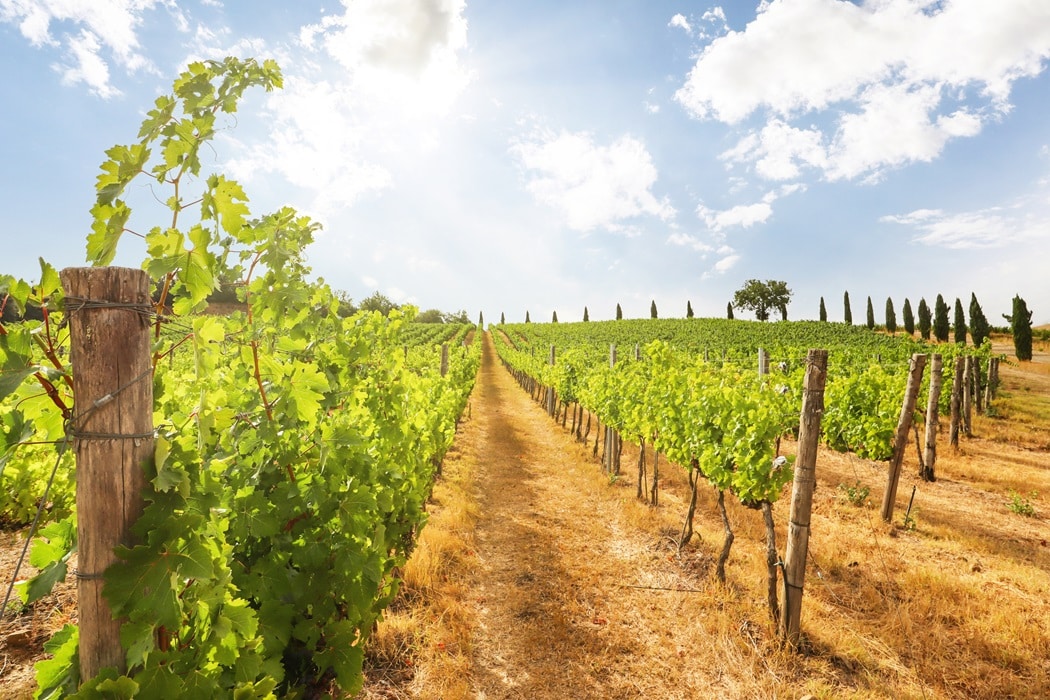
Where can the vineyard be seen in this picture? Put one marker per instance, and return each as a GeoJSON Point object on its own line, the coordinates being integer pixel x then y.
{"type": "Point", "coordinates": [285, 460]}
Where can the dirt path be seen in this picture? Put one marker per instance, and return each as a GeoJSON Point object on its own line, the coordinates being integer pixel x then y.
{"type": "Point", "coordinates": [554, 619]}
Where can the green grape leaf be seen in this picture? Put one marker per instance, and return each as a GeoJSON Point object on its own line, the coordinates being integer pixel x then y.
{"type": "Point", "coordinates": [59, 676]}
{"type": "Point", "coordinates": [107, 226]}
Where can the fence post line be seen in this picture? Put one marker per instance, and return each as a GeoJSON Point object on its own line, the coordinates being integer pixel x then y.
{"type": "Point", "coordinates": [802, 494]}
{"type": "Point", "coordinates": [109, 328]}
{"type": "Point", "coordinates": [900, 438]}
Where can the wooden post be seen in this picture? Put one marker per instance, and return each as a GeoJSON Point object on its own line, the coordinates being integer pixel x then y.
{"type": "Point", "coordinates": [610, 435]}
{"type": "Point", "coordinates": [900, 438]}
{"type": "Point", "coordinates": [957, 388]}
{"type": "Point", "coordinates": [967, 396]}
{"type": "Point", "coordinates": [978, 394]}
{"type": "Point", "coordinates": [932, 420]}
{"type": "Point", "coordinates": [552, 401]}
{"type": "Point", "coordinates": [763, 362]}
{"type": "Point", "coordinates": [802, 494]}
{"type": "Point", "coordinates": [444, 359]}
{"type": "Point", "coordinates": [109, 330]}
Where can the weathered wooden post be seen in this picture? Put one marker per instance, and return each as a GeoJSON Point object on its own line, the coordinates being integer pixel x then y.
{"type": "Point", "coordinates": [900, 438]}
{"type": "Point", "coordinates": [967, 397]}
{"type": "Point", "coordinates": [802, 494]}
{"type": "Point", "coordinates": [932, 420]}
{"type": "Point", "coordinates": [444, 359]}
{"type": "Point", "coordinates": [763, 362]}
{"type": "Point", "coordinates": [609, 460]}
{"type": "Point", "coordinates": [109, 329]}
{"type": "Point", "coordinates": [552, 400]}
{"type": "Point", "coordinates": [957, 389]}
{"type": "Point", "coordinates": [978, 394]}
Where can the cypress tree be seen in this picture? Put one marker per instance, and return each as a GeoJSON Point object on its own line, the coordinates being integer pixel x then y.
{"type": "Point", "coordinates": [847, 314]}
{"type": "Point", "coordinates": [502, 318]}
{"type": "Point", "coordinates": [979, 328]}
{"type": "Point", "coordinates": [891, 316]}
{"type": "Point", "coordinates": [924, 319]}
{"type": "Point", "coordinates": [960, 323]}
{"type": "Point", "coordinates": [909, 318]}
{"type": "Point", "coordinates": [729, 311]}
{"type": "Point", "coordinates": [688, 309]}
{"type": "Point", "coordinates": [554, 318]}
{"type": "Point", "coordinates": [619, 312]}
{"type": "Point", "coordinates": [823, 311]}
{"type": "Point", "coordinates": [1021, 326]}
{"type": "Point", "coordinates": [586, 316]}
{"type": "Point", "coordinates": [940, 320]}
{"type": "Point", "coordinates": [871, 316]}
{"type": "Point", "coordinates": [526, 316]}
{"type": "Point", "coordinates": [481, 319]}
{"type": "Point", "coordinates": [652, 309]}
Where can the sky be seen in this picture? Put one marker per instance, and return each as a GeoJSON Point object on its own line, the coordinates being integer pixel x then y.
{"type": "Point", "coordinates": [505, 156]}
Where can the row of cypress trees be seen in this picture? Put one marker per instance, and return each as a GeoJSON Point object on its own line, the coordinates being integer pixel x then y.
{"type": "Point", "coordinates": [937, 324]}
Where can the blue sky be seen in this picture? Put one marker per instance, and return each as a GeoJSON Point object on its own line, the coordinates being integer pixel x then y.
{"type": "Point", "coordinates": [504, 156]}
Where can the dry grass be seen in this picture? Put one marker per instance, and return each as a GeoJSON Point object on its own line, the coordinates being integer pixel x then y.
{"type": "Point", "coordinates": [562, 590]}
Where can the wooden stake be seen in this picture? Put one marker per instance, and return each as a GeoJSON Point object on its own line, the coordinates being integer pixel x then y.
{"type": "Point", "coordinates": [957, 389]}
{"type": "Point", "coordinates": [900, 439]}
{"type": "Point", "coordinates": [967, 396]}
{"type": "Point", "coordinates": [444, 359]}
{"type": "Point", "coordinates": [802, 494]}
{"type": "Point", "coordinates": [932, 420]}
{"type": "Point", "coordinates": [108, 310]}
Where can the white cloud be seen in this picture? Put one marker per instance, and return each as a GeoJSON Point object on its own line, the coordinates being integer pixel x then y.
{"type": "Point", "coordinates": [690, 241]}
{"type": "Point", "coordinates": [986, 228]}
{"type": "Point", "coordinates": [594, 186]}
{"type": "Point", "coordinates": [726, 263]}
{"type": "Point", "coordinates": [339, 133]}
{"type": "Point", "coordinates": [897, 78]}
{"type": "Point", "coordinates": [740, 216]}
{"type": "Point", "coordinates": [681, 22]}
{"type": "Point", "coordinates": [778, 149]}
{"type": "Point", "coordinates": [105, 27]}
{"type": "Point", "coordinates": [370, 282]}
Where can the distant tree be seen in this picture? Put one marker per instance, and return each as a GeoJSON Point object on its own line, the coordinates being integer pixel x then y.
{"type": "Point", "coordinates": [847, 315]}
{"type": "Point", "coordinates": [729, 311]}
{"type": "Point", "coordinates": [346, 305]}
{"type": "Point", "coordinates": [940, 320]}
{"type": "Point", "coordinates": [430, 316]}
{"type": "Point", "coordinates": [1021, 327]}
{"type": "Point", "coordinates": [378, 302]}
{"type": "Point", "coordinates": [502, 318]}
{"type": "Point", "coordinates": [652, 309]}
{"type": "Point", "coordinates": [762, 297]}
{"type": "Point", "coordinates": [960, 323]}
{"type": "Point", "coordinates": [979, 327]}
{"type": "Point", "coordinates": [586, 316]}
{"type": "Point", "coordinates": [527, 316]}
{"type": "Point", "coordinates": [909, 318]}
{"type": "Point", "coordinates": [823, 311]}
{"type": "Point", "coordinates": [456, 317]}
{"type": "Point", "coordinates": [619, 312]}
{"type": "Point", "coordinates": [871, 316]}
{"type": "Point", "coordinates": [924, 319]}
{"type": "Point", "coordinates": [688, 309]}
{"type": "Point", "coordinates": [891, 316]}
{"type": "Point", "coordinates": [554, 318]}
{"type": "Point", "coordinates": [481, 319]}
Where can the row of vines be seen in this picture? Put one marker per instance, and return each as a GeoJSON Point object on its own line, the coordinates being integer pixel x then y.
{"type": "Point", "coordinates": [295, 450]}
{"type": "Point", "coordinates": [691, 390]}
